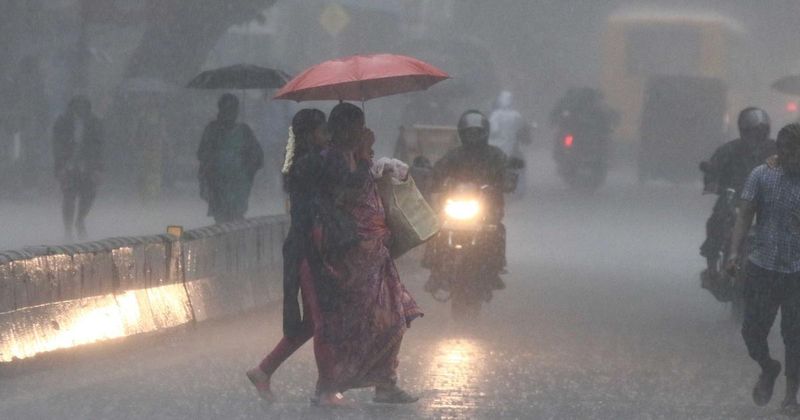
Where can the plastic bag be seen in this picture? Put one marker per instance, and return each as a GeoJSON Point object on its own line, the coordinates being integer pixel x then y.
{"type": "Point", "coordinates": [410, 218]}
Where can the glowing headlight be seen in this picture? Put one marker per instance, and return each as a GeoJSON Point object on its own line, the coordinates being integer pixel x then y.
{"type": "Point", "coordinates": [462, 209]}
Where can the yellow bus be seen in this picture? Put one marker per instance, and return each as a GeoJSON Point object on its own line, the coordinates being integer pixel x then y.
{"type": "Point", "coordinates": [637, 45]}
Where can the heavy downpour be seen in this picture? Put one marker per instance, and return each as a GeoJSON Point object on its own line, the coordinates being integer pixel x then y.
{"type": "Point", "coordinates": [399, 209]}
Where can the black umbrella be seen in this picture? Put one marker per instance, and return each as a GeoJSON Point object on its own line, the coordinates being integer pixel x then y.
{"type": "Point", "coordinates": [788, 84]}
{"type": "Point", "coordinates": [240, 76]}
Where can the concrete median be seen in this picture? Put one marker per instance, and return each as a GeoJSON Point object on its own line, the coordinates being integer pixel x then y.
{"type": "Point", "coordinates": [60, 297]}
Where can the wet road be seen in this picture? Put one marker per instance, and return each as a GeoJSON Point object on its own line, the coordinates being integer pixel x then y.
{"type": "Point", "coordinates": [603, 318]}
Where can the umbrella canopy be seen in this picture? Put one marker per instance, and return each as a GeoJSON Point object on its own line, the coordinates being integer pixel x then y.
{"type": "Point", "coordinates": [788, 84]}
{"type": "Point", "coordinates": [240, 76]}
{"type": "Point", "coordinates": [362, 77]}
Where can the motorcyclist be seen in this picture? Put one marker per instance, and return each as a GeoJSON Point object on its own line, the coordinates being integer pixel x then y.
{"type": "Point", "coordinates": [476, 161]}
{"type": "Point", "coordinates": [585, 108]}
{"type": "Point", "coordinates": [728, 168]}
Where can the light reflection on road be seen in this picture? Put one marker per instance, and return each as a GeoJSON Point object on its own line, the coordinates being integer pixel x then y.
{"type": "Point", "coordinates": [455, 375]}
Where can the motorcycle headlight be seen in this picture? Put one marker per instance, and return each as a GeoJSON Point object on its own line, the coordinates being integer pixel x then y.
{"type": "Point", "coordinates": [462, 209]}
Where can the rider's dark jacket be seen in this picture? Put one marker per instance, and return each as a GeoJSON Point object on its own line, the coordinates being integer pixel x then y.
{"type": "Point", "coordinates": [731, 164]}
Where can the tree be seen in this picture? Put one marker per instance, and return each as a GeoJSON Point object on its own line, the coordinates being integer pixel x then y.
{"type": "Point", "coordinates": [178, 37]}
{"type": "Point", "coordinates": [181, 33]}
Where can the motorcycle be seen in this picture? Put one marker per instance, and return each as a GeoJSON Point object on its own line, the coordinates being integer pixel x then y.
{"type": "Point", "coordinates": [724, 286]}
{"type": "Point", "coordinates": [465, 266]}
{"type": "Point", "coordinates": [581, 148]}
{"type": "Point", "coordinates": [582, 158]}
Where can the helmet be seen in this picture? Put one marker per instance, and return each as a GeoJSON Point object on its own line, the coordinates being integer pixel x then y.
{"type": "Point", "coordinates": [473, 129]}
{"type": "Point", "coordinates": [754, 122]}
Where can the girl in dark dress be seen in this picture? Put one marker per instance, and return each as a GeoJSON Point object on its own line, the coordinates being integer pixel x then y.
{"type": "Point", "coordinates": [302, 263]}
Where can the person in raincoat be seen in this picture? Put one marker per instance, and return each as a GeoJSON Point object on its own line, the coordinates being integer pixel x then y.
{"type": "Point", "coordinates": [229, 156]}
{"type": "Point", "coordinates": [302, 171]}
{"type": "Point", "coordinates": [78, 156]}
{"type": "Point", "coordinates": [509, 131]}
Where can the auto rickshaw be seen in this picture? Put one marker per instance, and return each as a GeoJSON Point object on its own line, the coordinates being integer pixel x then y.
{"type": "Point", "coordinates": [682, 123]}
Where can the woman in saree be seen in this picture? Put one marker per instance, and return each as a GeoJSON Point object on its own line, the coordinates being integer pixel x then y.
{"type": "Point", "coordinates": [366, 309]}
{"type": "Point", "coordinates": [302, 171]}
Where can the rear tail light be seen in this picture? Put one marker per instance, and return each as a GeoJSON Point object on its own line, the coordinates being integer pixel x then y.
{"type": "Point", "coordinates": [569, 139]}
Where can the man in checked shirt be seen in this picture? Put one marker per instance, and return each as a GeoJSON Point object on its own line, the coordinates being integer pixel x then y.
{"type": "Point", "coordinates": [772, 195]}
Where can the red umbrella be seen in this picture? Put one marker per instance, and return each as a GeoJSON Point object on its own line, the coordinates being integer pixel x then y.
{"type": "Point", "coordinates": [361, 77]}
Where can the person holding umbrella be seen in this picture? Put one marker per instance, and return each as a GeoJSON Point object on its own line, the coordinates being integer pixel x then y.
{"type": "Point", "coordinates": [242, 77]}
{"type": "Point", "coordinates": [371, 308]}
{"type": "Point", "coordinates": [366, 308]}
{"type": "Point", "coordinates": [229, 156]}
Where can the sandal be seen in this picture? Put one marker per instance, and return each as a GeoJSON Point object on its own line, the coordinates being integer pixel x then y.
{"type": "Point", "coordinates": [394, 396]}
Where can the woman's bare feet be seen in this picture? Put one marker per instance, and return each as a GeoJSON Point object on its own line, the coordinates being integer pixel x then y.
{"type": "Point", "coordinates": [262, 383]}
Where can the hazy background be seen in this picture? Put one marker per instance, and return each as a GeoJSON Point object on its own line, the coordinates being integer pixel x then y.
{"type": "Point", "coordinates": [535, 48]}
{"type": "Point", "coordinates": [603, 316]}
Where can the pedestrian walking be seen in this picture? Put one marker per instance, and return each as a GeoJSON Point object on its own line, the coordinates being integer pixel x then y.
{"type": "Point", "coordinates": [771, 195]}
{"type": "Point", "coordinates": [229, 156]}
{"type": "Point", "coordinates": [302, 171]}
{"type": "Point", "coordinates": [368, 309]}
{"type": "Point", "coordinates": [78, 155]}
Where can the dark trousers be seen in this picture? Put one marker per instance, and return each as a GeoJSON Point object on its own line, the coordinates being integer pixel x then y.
{"type": "Point", "coordinates": [765, 292]}
{"type": "Point", "coordinates": [78, 190]}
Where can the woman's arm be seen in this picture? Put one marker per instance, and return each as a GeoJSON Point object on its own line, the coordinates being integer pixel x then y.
{"type": "Point", "coordinates": [747, 212]}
